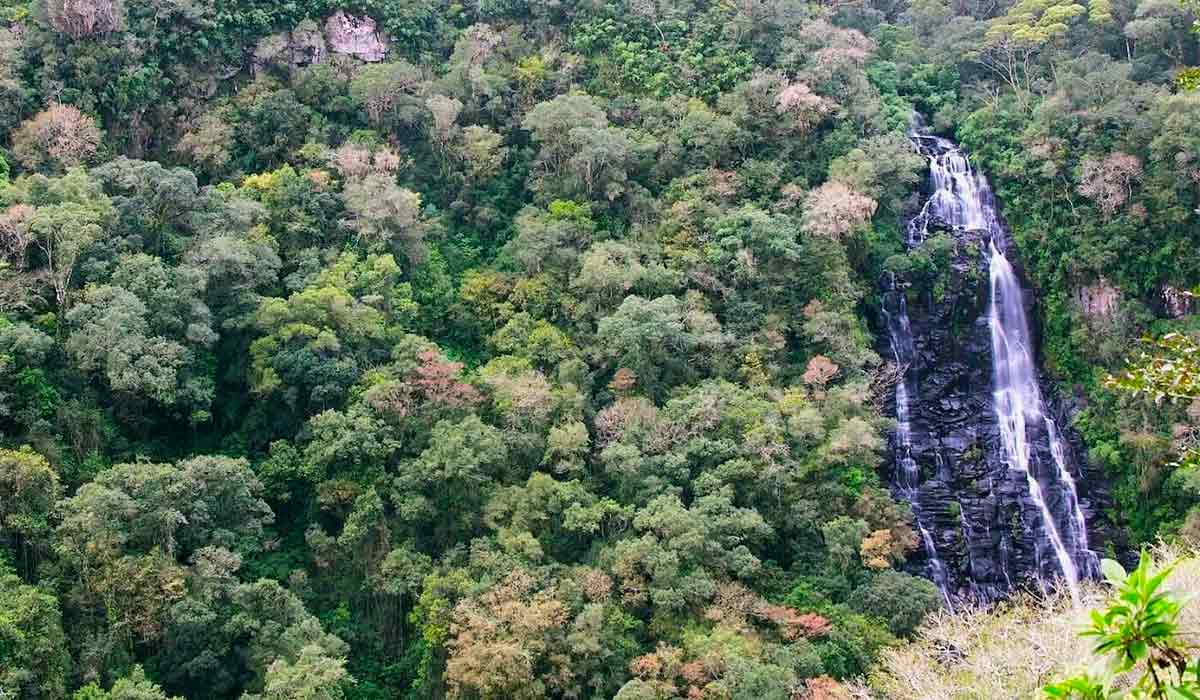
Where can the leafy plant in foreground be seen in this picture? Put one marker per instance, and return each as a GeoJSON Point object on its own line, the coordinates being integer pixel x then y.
{"type": "Point", "coordinates": [1138, 630]}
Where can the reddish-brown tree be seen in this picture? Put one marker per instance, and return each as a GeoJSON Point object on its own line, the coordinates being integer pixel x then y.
{"type": "Point", "coordinates": [1109, 181]}
{"type": "Point", "coordinates": [83, 18]}
{"type": "Point", "coordinates": [835, 210]}
{"type": "Point", "coordinates": [56, 138]}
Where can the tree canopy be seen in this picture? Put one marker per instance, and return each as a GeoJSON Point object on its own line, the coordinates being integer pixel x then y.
{"type": "Point", "coordinates": [516, 349]}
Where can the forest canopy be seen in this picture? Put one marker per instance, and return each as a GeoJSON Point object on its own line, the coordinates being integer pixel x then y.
{"type": "Point", "coordinates": [522, 349]}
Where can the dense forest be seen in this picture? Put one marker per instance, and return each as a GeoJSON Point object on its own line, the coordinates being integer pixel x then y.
{"type": "Point", "coordinates": [529, 348]}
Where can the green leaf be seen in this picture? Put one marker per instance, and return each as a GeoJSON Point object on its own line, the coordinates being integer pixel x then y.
{"type": "Point", "coordinates": [1138, 649]}
{"type": "Point", "coordinates": [1113, 572]}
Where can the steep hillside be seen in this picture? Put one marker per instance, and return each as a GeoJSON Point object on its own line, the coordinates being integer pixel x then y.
{"type": "Point", "coordinates": [541, 349]}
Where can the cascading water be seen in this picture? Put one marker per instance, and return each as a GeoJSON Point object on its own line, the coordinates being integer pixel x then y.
{"type": "Point", "coordinates": [998, 506]}
{"type": "Point", "coordinates": [908, 475]}
{"type": "Point", "coordinates": [1020, 410]}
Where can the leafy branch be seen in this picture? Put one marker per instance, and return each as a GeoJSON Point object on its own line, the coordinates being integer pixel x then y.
{"type": "Point", "coordinates": [1138, 630]}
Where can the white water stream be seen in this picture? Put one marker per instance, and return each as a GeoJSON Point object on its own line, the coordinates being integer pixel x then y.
{"type": "Point", "coordinates": [961, 199]}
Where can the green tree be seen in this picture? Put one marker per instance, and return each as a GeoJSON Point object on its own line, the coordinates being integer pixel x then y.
{"type": "Point", "coordinates": [843, 539]}
{"type": "Point", "coordinates": [29, 491]}
{"type": "Point", "coordinates": [580, 153]}
{"type": "Point", "coordinates": [312, 675]}
{"type": "Point", "coordinates": [551, 239]}
{"type": "Point", "coordinates": [384, 214]}
{"type": "Point", "coordinates": [318, 341]}
{"type": "Point", "coordinates": [111, 334]}
{"type": "Point", "coordinates": [71, 215]}
{"type": "Point", "coordinates": [901, 600]}
{"type": "Point", "coordinates": [173, 509]}
{"type": "Point", "coordinates": [446, 486]}
{"type": "Point", "coordinates": [132, 686]}
{"type": "Point", "coordinates": [659, 338]}
{"type": "Point", "coordinates": [390, 93]}
{"type": "Point", "coordinates": [153, 204]}
{"type": "Point", "coordinates": [545, 517]}
{"type": "Point", "coordinates": [37, 663]}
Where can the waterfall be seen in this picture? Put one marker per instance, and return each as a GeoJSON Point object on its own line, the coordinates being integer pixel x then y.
{"type": "Point", "coordinates": [961, 199]}
{"type": "Point", "coordinates": [908, 475]}
{"type": "Point", "coordinates": [1020, 411]}
{"type": "Point", "coordinates": [1040, 529]}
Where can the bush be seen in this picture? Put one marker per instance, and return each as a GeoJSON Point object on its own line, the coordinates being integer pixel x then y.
{"type": "Point", "coordinates": [899, 599]}
{"type": "Point", "coordinates": [1139, 636]}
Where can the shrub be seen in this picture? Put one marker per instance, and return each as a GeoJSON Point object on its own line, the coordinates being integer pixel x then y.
{"type": "Point", "coordinates": [1138, 635]}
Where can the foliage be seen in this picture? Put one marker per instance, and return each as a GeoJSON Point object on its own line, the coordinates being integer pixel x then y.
{"type": "Point", "coordinates": [1170, 372]}
{"type": "Point", "coordinates": [36, 659]}
{"type": "Point", "coordinates": [1013, 649]}
{"type": "Point", "coordinates": [536, 357]}
{"type": "Point", "coordinates": [1139, 631]}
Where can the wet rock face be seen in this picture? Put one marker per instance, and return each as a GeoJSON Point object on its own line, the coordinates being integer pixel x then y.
{"type": "Point", "coordinates": [355, 35]}
{"type": "Point", "coordinates": [989, 535]}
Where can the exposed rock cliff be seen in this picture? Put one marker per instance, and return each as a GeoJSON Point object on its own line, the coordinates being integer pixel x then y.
{"type": "Point", "coordinates": [355, 35]}
{"type": "Point", "coordinates": [309, 43]}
